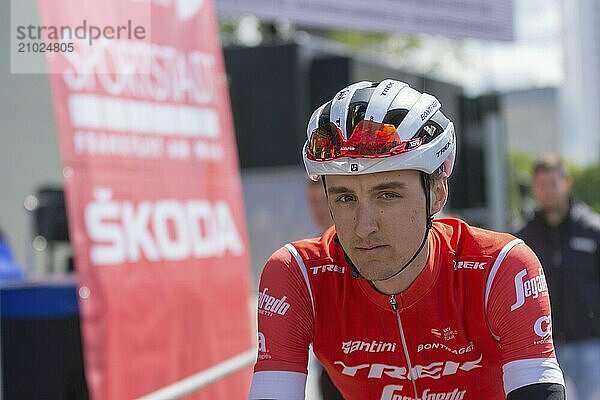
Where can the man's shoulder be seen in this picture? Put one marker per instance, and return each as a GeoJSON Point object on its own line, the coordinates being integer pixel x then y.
{"type": "Point", "coordinates": [464, 238]}
{"type": "Point", "coordinates": [583, 215]}
{"type": "Point", "coordinates": [316, 248]}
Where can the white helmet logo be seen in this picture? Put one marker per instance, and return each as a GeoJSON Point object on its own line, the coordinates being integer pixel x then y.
{"type": "Point", "coordinates": [354, 167]}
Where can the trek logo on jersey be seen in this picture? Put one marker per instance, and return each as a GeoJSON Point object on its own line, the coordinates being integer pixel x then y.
{"type": "Point", "coordinates": [532, 287]}
{"type": "Point", "coordinates": [435, 370]}
{"type": "Point", "coordinates": [434, 346]}
{"type": "Point", "coordinates": [393, 392]}
{"type": "Point", "coordinates": [373, 347]}
{"type": "Point", "coordinates": [263, 353]}
{"type": "Point", "coordinates": [269, 305]}
{"type": "Point", "coordinates": [447, 333]}
{"type": "Point", "coordinates": [327, 268]}
{"type": "Point", "coordinates": [468, 265]}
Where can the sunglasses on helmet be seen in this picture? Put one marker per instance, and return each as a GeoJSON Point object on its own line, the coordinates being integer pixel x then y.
{"type": "Point", "coordinates": [369, 139]}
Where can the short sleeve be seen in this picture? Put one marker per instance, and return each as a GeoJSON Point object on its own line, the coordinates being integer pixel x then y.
{"type": "Point", "coordinates": [285, 317]}
{"type": "Point", "coordinates": [519, 316]}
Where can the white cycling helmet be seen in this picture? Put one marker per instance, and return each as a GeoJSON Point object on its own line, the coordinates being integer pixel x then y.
{"type": "Point", "coordinates": [375, 127]}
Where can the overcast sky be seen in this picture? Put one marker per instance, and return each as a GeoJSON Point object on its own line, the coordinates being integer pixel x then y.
{"type": "Point", "coordinates": [534, 58]}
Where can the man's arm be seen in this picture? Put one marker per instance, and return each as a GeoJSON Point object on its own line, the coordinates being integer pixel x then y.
{"type": "Point", "coordinates": [519, 317]}
{"type": "Point", "coordinates": [285, 326]}
{"type": "Point", "coordinates": [541, 391]}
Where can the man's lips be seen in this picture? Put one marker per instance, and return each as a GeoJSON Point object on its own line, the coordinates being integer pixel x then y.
{"type": "Point", "coordinates": [370, 247]}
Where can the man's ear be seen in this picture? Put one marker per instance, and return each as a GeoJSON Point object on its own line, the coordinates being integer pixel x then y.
{"type": "Point", "coordinates": [439, 192]}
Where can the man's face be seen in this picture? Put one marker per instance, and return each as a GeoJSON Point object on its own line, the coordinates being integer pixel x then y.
{"type": "Point", "coordinates": [551, 190]}
{"type": "Point", "coordinates": [379, 218]}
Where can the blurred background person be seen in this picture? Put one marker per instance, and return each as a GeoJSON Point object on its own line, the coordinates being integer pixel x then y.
{"type": "Point", "coordinates": [317, 203]}
{"type": "Point", "coordinates": [565, 235]}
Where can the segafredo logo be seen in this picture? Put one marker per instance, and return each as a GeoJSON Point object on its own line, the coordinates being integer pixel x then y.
{"type": "Point", "coordinates": [435, 370]}
{"type": "Point", "coordinates": [394, 392]}
{"type": "Point", "coordinates": [269, 305]}
{"type": "Point", "coordinates": [369, 347]}
{"type": "Point", "coordinates": [164, 230]}
{"type": "Point", "coordinates": [531, 287]}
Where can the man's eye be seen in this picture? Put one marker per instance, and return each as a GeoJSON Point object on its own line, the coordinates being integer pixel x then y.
{"type": "Point", "coordinates": [345, 198]}
{"type": "Point", "coordinates": [389, 195]}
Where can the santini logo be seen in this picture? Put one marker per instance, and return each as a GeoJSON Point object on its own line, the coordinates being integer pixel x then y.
{"type": "Point", "coordinates": [373, 347]}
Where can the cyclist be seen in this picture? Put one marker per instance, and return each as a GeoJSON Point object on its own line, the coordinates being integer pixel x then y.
{"type": "Point", "coordinates": [398, 306]}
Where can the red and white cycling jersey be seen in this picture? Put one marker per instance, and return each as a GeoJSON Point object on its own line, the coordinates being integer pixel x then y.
{"type": "Point", "coordinates": [475, 324]}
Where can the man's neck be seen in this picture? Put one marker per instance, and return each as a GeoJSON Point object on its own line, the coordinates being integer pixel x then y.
{"type": "Point", "coordinates": [404, 279]}
{"type": "Point", "coordinates": [555, 216]}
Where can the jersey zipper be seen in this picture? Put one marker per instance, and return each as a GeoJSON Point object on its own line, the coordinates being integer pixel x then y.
{"type": "Point", "coordinates": [394, 305]}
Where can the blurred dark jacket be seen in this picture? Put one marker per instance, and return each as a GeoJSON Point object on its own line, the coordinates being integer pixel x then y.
{"type": "Point", "coordinates": [570, 256]}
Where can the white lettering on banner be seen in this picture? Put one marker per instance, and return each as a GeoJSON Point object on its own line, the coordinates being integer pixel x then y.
{"type": "Point", "coordinates": [372, 347]}
{"type": "Point", "coordinates": [327, 268]}
{"type": "Point", "coordinates": [435, 370]}
{"type": "Point", "coordinates": [529, 288]}
{"type": "Point", "coordinates": [269, 305]}
{"type": "Point", "coordinates": [155, 72]}
{"type": "Point", "coordinates": [180, 230]}
{"type": "Point", "coordinates": [468, 265]}
{"type": "Point", "coordinates": [435, 346]}
{"type": "Point", "coordinates": [392, 392]}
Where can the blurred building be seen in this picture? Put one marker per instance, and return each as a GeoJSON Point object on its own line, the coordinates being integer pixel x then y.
{"type": "Point", "coordinates": [532, 120]}
{"type": "Point", "coordinates": [580, 94]}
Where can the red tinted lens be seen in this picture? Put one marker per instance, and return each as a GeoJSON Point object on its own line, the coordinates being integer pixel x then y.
{"type": "Point", "coordinates": [373, 138]}
{"type": "Point", "coordinates": [325, 142]}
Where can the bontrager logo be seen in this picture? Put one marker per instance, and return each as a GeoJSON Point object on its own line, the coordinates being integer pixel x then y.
{"type": "Point", "coordinates": [532, 287]}
{"type": "Point", "coordinates": [269, 305]}
{"type": "Point", "coordinates": [373, 347]}
{"type": "Point", "coordinates": [468, 265]}
{"type": "Point", "coordinates": [435, 370]}
{"type": "Point", "coordinates": [428, 111]}
{"type": "Point", "coordinates": [393, 392]}
{"type": "Point", "coordinates": [327, 268]}
{"type": "Point", "coordinates": [435, 346]}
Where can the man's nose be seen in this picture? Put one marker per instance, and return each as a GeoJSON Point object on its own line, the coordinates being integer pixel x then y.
{"type": "Point", "coordinates": [365, 220]}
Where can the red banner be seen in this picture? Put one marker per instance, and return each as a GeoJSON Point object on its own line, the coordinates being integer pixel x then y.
{"type": "Point", "coordinates": [153, 193]}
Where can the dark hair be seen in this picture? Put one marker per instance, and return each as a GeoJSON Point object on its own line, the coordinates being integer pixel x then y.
{"type": "Point", "coordinates": [549, 163]}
